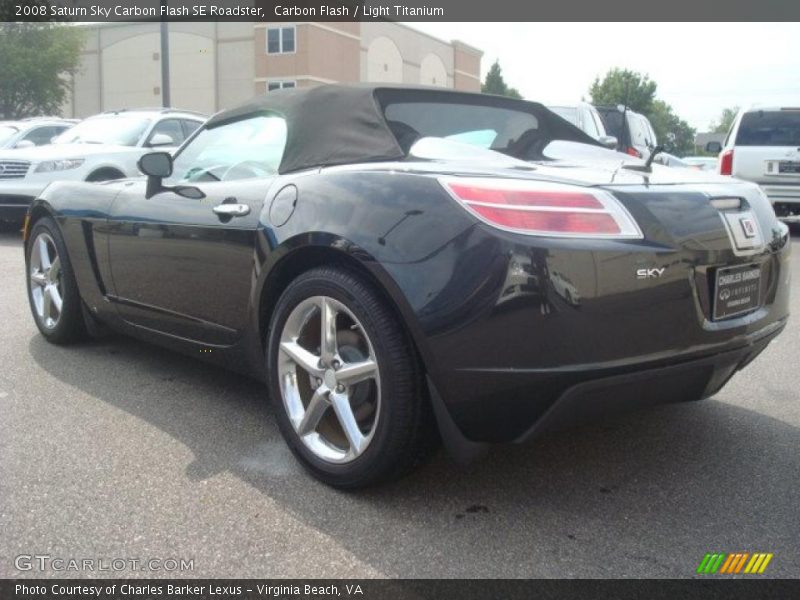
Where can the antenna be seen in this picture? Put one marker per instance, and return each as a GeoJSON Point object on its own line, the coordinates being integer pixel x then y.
{"type": "Point", "coordinates": [625, 132]}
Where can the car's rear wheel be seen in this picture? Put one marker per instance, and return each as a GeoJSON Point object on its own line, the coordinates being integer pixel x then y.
{"type": "Point", "coordinates": [52, 291]}
{"type": "Point", "coordinates": [345, 382]}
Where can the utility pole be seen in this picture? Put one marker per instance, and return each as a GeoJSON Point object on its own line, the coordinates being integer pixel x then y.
{"type": "Point", "coordinates": [165, 99]}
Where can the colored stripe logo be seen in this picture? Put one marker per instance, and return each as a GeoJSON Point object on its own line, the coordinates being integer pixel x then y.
{"type": "Point", "coordinates": [733, 564]}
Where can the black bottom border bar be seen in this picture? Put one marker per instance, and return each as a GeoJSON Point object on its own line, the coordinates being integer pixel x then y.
{"type": "Point", "coordinates": [400, 589]}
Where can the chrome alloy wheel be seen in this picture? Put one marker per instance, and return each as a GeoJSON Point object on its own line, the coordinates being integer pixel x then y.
{"type": "Point", "coordinates": [329, 379]}
{"type": "Point", "coordinates": [46, 280]}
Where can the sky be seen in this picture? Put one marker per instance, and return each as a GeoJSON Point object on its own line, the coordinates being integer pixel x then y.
{"type": "Point", "coordinates": [700, 68]}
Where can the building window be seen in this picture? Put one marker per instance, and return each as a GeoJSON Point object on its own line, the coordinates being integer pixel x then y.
{"type": "Point", "coordinates": [281, 40]}
{"type": "Point", "coordinates": [280, 85]}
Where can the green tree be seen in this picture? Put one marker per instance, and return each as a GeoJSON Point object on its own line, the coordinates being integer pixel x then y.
{"type": "Point", "coordinates": [36, 58]}
{"type": "Point", "coordinates": [495, 84]}
{"type": "Point", "coordinates": [673, 133]}
{"type": "Point", "coordinates": [725, 120]}
{"type": "Point", "coordinates": [622, 86]}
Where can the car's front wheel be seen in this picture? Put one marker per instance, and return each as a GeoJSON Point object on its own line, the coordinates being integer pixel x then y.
{"type": "Point", "coordinates": [52, 291]}
{"type": "Point", "coordinates": [344, 381]}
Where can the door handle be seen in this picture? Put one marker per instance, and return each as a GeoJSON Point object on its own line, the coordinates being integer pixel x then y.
{"type": "Point", "coordinates": [232, 210]}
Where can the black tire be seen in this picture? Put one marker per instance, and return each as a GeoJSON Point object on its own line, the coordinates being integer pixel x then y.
{"type": "Point", "coordinates": [404, 430]}
{"type": "Point", "coordinates": [69, 327]}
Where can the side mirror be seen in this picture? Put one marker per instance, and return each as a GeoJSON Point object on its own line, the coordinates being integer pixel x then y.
{"type": "Point", "coordinates": [609, 141]}
{"type": "Point", "coordinates": [714, 147]}
{"type": "Point", "coordinates": [24, 144]}
{"type": "Point", "coordinates": [161, 139]}
{"type": "Point", "coordinates": [157, 166]}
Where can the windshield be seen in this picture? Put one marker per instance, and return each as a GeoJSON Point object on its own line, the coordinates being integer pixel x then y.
{"type": "Point", "coordinates": [244, 149]}
{"type": "Point", "coordinates": [769, 128]}
{"type": "Point", "coordinates": [570, 113]}
{"type": "Point", "coordinates": [7, 132]}
{"type": "Point", "coordinates": [120, 130]}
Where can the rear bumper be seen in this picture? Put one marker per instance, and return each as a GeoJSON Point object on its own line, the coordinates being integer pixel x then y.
{"type": "Point", "coordinates": [785, 199]}
{"type": "Point", "coordinates": [511, 360]}
{"type": "Point", "coordinates": [520, 404]}
{"type": "Point", "coordinates": [692, 379]}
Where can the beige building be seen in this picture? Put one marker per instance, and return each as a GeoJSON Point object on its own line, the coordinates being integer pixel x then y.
{"type": "Point", "coordinates": [214, 66]}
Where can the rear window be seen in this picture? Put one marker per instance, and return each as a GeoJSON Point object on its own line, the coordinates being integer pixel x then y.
{"type": "Point", "coordinates": [769, 128]}
{"type": "Point", "coordinates": [410, 121]}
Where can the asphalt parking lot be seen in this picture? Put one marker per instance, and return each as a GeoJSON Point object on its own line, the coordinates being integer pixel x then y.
{"type": "Point", "coordinates": [119, 449]}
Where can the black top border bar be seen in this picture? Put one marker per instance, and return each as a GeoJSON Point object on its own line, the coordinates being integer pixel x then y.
{"type": "Point", "coordinates": [402, 10]}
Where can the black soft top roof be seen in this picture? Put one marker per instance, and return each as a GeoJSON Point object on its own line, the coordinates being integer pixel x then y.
{"type": "Point", "coordinates": [342, 124]}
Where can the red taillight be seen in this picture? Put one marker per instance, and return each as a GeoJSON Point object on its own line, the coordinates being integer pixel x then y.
{"type": "Point", "coordinates": [523, 197]}
{"type": "Point", "coordinates": [726, 162]}
{"type": "Point", "coordinates": [633, 152]}
{"type": "Point", "coordinates": [543, 208]}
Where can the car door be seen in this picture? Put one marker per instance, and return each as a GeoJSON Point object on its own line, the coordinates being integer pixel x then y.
{"type": "Point", "coordinates": [639, 135]}
{"type": "Point", "coordinates": [185, 266]}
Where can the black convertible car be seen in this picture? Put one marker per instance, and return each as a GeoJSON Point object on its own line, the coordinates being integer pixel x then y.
{"type": "Point", "coordinates": [399, 264]}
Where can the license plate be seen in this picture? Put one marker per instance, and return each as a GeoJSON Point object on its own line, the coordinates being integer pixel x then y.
{"type": "Point", "coordinates": [789, 166]}
{"type": "Point", "coordinates": [737, 290]}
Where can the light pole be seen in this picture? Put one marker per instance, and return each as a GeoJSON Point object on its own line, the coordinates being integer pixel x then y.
{"type": "Point", "coordinates": [165, 99]}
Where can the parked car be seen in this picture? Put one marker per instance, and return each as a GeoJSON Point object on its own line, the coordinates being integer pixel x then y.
{"type": "Point", "coordinates": [634, 131]}
{"type": "Point", "coordinates": [670, 160]}
{"type": "Point", "coordinates": [339, 244]}
{"type": "Point", "coordinates": [585, 117]}
{"type": "Point", "coordinates": [703, 163]}
{"type": "Point", "coordinates": [763, 146]}
{"type": "Point", "coordinates": [28, 133]}
{"type": "Point", "coordinates": [100, 148]}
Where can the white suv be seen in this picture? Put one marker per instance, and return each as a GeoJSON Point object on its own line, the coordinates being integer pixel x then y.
{"type": "Point", "coordinates": [763, 146]}
{"type": "Point", "coordinates": [100, 148]}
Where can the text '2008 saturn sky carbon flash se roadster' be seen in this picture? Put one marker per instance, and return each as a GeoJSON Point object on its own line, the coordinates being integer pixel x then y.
{"type": "Point", "coordinates": [399, 264]}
